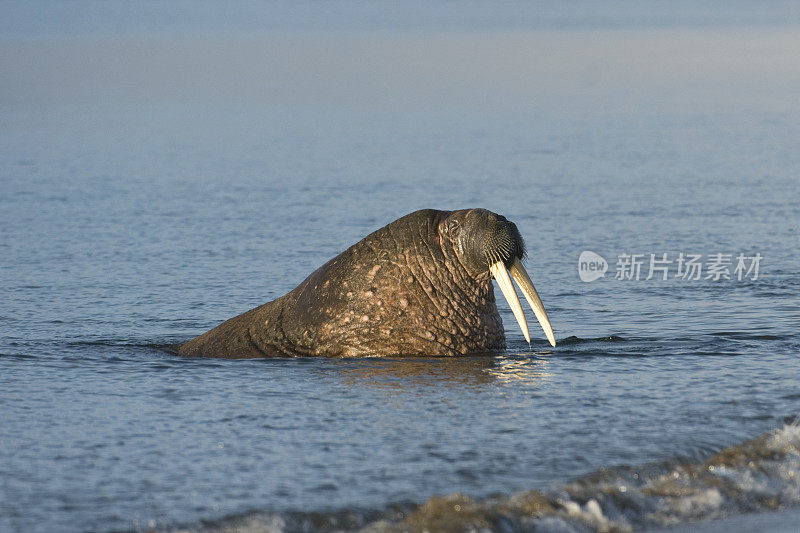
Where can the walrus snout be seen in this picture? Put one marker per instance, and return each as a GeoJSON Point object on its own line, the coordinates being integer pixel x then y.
{"type": "Point", "coordinates": [502, 241]}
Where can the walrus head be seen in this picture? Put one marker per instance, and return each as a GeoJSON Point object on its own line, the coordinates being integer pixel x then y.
{"type": "Point", "coordinates": [488, 244]}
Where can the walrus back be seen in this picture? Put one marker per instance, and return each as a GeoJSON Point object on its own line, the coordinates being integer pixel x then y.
{"type": "Point", "coordinates": [232, 339]}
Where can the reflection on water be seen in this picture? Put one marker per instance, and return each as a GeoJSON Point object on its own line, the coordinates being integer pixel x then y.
{"type": "Point", "coordinates": [511, 369]}
{"type": "Point", "coordinates": [474, 373]}
{"type": "Point", "coordinates": [411, 373]}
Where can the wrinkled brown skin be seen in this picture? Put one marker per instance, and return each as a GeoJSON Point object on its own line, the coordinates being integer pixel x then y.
{"type": "Point", "coordinates": [402, 290]}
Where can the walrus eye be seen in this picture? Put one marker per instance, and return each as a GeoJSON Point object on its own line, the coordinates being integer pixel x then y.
{"type": "Point", "coordinates": [452, 228]}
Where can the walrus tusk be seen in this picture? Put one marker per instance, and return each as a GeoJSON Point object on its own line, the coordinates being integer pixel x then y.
{"type": "Point", "coordinates": [500, 273]}
{"type": "Point", "coordinates": [524, 281]}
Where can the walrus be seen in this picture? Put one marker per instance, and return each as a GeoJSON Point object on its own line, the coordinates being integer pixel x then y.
{"type": "Point", "coordinates": [419, 286]}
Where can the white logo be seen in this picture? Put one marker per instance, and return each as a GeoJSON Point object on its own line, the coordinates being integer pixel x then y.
{"type": "Point", "coordinates": [591, 266]}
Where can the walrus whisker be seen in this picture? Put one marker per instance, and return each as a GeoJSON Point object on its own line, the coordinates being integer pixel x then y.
{"type": "Point", "coordinates": [524, 281]}
{"type": "Point", "coordinates": [500, 248]}
{"type": "Point", "coordinates": [500, 273]}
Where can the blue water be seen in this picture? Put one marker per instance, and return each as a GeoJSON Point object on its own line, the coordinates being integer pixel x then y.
{"type": "Point", "coordinates": [153, 184]}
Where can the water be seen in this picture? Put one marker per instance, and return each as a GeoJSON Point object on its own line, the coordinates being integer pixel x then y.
{"type": "Point", "coordinates": [155, 182]}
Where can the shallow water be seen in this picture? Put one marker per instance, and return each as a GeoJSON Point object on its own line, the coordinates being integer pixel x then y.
{"type": "Point", "coordinates": [142, 205]}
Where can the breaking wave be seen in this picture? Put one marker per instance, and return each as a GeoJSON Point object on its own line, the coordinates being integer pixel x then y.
{"type": "Point", "coordinates": [759, 475]}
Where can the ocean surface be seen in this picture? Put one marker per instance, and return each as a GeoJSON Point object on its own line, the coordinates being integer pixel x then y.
{"type": "Point", "coordinates": [164, 168]}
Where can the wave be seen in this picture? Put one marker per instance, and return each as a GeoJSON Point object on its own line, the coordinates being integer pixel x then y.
{"type": "Point", "coordinates": [577, 340]}
{"type": "Point", "coordinates": [759, 475]}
